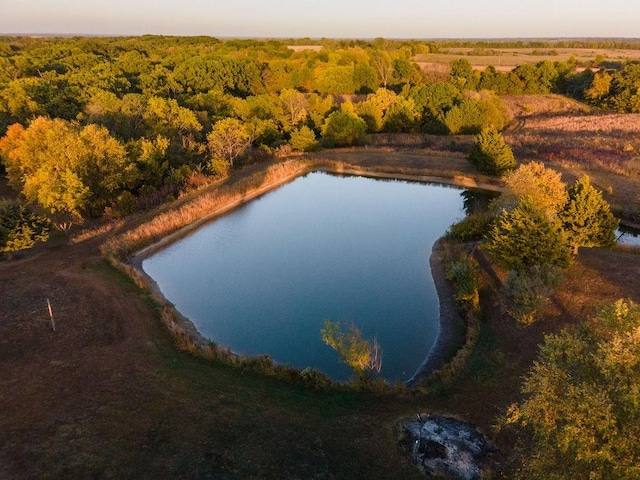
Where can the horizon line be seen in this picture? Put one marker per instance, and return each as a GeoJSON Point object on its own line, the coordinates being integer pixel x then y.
{"type": "Point", "coordinates": [244, 37]}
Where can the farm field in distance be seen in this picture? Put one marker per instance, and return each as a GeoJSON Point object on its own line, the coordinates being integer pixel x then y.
{"type": "Point", "coordinates": [506, 59]}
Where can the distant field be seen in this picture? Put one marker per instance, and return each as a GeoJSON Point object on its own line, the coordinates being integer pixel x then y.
{"type": "Point", "coordinates": [505, 59]}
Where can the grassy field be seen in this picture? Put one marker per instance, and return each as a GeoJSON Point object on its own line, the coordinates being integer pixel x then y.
{"type": "Point", "coordinates": [505, 59]}
{"type": "Point", "coordinates": [110, 395]}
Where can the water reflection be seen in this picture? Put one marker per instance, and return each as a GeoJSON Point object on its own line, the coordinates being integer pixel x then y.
{"type": "Point", "coordinates": [262, 279]}
{"type": "Point", "coordinates": [628, 235]}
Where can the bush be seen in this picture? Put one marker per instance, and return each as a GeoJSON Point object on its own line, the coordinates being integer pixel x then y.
{"type": "Point", "coordinates": [490, 153]}
{"type": "Point", "coordinates": [525, 291]}
{"type": "Point", "coordinates": [125, 204]}
{"type": "Point", "coordinates": [315, 378]}
{"type": "Point", "coordinates": [471, 228]}
{"type": "Point", "coordinates": [463, 272]}
{"type": "Point", "coordinates": [219, 167]}
{"type": "Point", "coordinates": [20, 228]}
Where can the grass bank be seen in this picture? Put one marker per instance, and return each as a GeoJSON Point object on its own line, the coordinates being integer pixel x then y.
{"type": "Point", "coordinates": [127, 251]}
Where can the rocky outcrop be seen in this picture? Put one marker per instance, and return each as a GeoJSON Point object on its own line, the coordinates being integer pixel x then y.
{"type": "Point", "coordinates": [448, 447]}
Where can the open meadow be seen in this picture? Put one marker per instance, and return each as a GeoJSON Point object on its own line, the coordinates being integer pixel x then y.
{"type": "Point", "coordinates": [506, 59]}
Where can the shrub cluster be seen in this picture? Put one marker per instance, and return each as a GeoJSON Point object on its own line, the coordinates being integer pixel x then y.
{"type": "Point", "coordinates": [491, 154]}
{"type": "Point", "coordinates": [20, 228]}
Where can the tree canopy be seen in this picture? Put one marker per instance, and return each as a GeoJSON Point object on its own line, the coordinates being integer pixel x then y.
{"type": "Point", "coordinates": [491, 154]}
{"type": "Point", "coordinates": [587, 217]}
{"type": "Point", "coordinates": [65, 167]}
{"type": "Point", "coordinates": [542, 185]}
{"type": "Point", "coordinates": [581, 400]}
{"type": "Point", "coordinates": [525, 236]}
{"type": "Point", "coordinates": [172, 92]}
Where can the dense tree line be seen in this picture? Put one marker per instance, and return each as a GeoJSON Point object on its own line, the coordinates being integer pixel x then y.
{"type": "Point", "coordinates": [142, 114]}
{"type": "Point", "coordinates": [160, 109]}
{"type": "Point", "coordinates": [608, 88]}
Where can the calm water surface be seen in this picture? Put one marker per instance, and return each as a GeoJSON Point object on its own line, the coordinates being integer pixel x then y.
{"type": "Point", "coordinates": [262, 279]}
{"type": "Point", "coordinates": [628, 236]}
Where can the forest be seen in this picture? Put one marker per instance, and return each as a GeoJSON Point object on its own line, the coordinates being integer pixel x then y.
{"type": "Point", "coordinates": [110, 143]}
{"type": "Point", "coordinates": [147, 115]}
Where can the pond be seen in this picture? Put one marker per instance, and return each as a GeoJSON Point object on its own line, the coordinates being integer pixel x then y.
{"type": "Point", "coordinates": [263, 278]}
{"type": "Point", "coordinates": [628, 236]}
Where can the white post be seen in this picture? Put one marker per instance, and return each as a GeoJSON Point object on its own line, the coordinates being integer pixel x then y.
{"type": "Point", "coordinates": [53, 323]}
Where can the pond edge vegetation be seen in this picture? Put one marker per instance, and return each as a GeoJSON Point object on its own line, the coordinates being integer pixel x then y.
{"type": "Point", "coordinates": [126, 252]}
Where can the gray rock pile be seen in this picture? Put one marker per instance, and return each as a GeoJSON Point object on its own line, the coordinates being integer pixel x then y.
{"type": "Point", "coordinates": [448, 447]}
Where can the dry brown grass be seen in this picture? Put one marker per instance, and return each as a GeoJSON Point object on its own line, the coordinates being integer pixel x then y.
{"type": "Point", "coordinates": [564, 135]}
{"type": "Point", "coordinates": [506, 59]}
{"type": "Point", "coordinates": [612, 124]}
{"type": "Point", "coordinates": [200, 207]}
{"type": "Point", "coordinates": [531, 105]}
{"type": "Point", "coordinates": [109, 395]}
{"type": "Point", "coordinates": [208, 204]}
{"type": "Point", "coordinates": [99, 230]}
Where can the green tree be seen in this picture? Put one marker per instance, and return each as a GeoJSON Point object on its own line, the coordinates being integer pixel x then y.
{"type": "Point", "coordinates": [335, 80]}
{"type": "Point", "coordinates": [365, 78]}
{"type": "Point", "coordinates": [20, 228]}
{"type": "Point", "coordinates": [166, 117]}
{"type": "Point", "coordinates": [317, 108]}
{"type": "Point", "coordinates": [371, 114]}
{"type": "Point", "coordinates": [542, 185]}
{"type": "Point", "coordinates": [228, 140]}
{"type": "Point", "coordinates": [401, 116]}
{"type": "Point", "coordinates": [490, 153]}
{"type": "Point", "coordinates": [357, 352]}
{"type": "Point", "coordinates": [294, 108]}
{"type": "Point", "coordinates": [587, 217]}
{"type": "Point", "coordinates": [152, 160]}
{"type": "Point", "coordinates": [582, 400]}
{"type": "Point", "coordinates": [462, 74]}
{"type": "Point", "coordinates": [67, 168]}
{"type": "Point", "coordinates": [599, 89]}
{"type": "Point", "coordinates": [343, 129]}
{"type": "Point", "coordinates": [382, 63]}
{"type": "Point", "coordinates": [303, 139]}
{"type": "Point", "coordinates": [526, 236]}
{"type": "Point", "coordinates": [160, 82]}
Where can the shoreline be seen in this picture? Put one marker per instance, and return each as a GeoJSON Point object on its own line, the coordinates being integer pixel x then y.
{"type": "Point", "coordinates": [451, 327]}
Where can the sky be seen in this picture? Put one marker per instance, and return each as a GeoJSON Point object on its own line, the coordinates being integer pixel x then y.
{"type": "Point", "coordinates": [326, 18]}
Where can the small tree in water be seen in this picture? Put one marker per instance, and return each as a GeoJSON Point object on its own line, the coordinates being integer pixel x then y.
{"type": "Point", "coordinates": [363, 356]}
